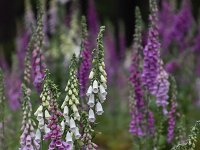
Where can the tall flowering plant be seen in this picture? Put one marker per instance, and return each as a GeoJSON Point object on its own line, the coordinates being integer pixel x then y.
{"type": "Point", "coordinates": [97, 90]}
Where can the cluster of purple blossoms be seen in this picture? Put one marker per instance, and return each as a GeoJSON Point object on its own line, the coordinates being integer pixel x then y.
{"type": "Point", "coordinates": [38, 66]}
{"type": "Point", "coordinates": [151, 58]}
{"type": "Point", "coordinates": [163, 88]}
{"type": "Point", "coordinates": [84, 70]}
{"type": "Point", "coordinates": [137, 113]}
{"type": "Point", "coordinates": [55, 134]}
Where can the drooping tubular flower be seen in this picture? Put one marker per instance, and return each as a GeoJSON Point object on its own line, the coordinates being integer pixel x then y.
{"type": "Point", "coordinates": [98, 78]}
{"type": "Point", "coordinates": [85, 59]}
{"type": "Point", "coordinates": [54, 133]}
{"type": "Point", "coordinates": [151, 53]}
{"type": "Point", "coordinates": [27, 139]}
{"type": "Point", "coordinates": [37, 56]}
{"type": "Point", "coordinates": [70, 104]}
{"type": "Point", "coordinates": [2, 111]}
{"type": "Point", "coordinates": [137, 111]}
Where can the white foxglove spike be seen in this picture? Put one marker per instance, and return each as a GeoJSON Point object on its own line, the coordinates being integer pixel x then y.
{"type": "Point", "coordinates": [66, 111]}
{"type": "Point", "coordinates": [91, 75]}
{"type": "Point", "coordinates": [69, 138]}
{"type": "Point", "coordinates": [99, 109]}
{"type": "Point", "coordinates": [91, 117]}
{"type": "Point", "coordinates": [47, 115]}
{"type": "Point", "coordinates": [72, 124]}
{"type": "Point", "coordinates": [77, 116]}
{"type": "Point", "coordinates": [77, 134]}
{"type": "Point", "coordinates": [103, 79]}
{"type": "Point", "coordinates": [89, 91]}
{"type": "Point", "coordinates": [91, 100]}
{"type": "Point", "coordinates": [102, 90]}
{"type": "Point", "coordinates": [95, 86]}
{"type": "Point", "coordinates": [74, 108]}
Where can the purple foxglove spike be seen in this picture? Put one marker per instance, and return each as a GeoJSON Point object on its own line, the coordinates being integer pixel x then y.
{"type": "Point", "coordinates": [84, 68]}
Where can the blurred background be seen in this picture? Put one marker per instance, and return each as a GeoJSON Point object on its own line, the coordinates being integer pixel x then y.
{"type": "Point", "coordinates": [179, 28]}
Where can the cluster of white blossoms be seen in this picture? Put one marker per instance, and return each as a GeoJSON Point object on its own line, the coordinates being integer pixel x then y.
{"type": "Point", "coordinates": [97, 90]}
{"type": "Point", "coordinates": [42, 113]}
{"type": "Point", "coordinates": [69, 106]}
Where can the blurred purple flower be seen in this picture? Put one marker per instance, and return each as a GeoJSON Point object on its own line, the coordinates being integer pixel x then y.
{"type": "Point", "coordinates": [22, 43]}
{"type": "Point", "coordinates": [38, 67]}
{"type": "Point", "coordinates": [111, 57]}
{"type": "Point", "coordinates": [92, 19]}
{"type": "Point", "coordinates": [163, 89]}
{"type": "Point", "coordinates": [171, 66]}
{"type": "Point", "coordinates": [151, 58]}
{"type": "Point", "coordinates": [13, 90]}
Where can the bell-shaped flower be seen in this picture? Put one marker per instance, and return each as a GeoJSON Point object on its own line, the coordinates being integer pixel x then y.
{"type": "Point", "coordinates": [77, 116]}
{"type": "Point", "coordinates": [66, 119]}
{"type": "Point", "coordinates": [77, 134]}
{"type": "Point", "coordinates": [95, 86]}
{"type": "Point", "coordinates": [102, 98]}
{"type": "Point", "coordinates": [40, 116]}
{"type": "Point", "coordinates": [69, 138]}
{"type": "Point", "coordinates": [99, 109]}
{"type": "Point", "coordinates": [89, 91]}
{"type": "Point", "coordinates": [47, 115]}
{"type": "Point", "coordinates": [72, 124]}
{"type": "Point", "coordinates": [102, 90]}
{"type": "Point", "coordinates": [40, 108]}
{"type": "Point", "coordinates": [91, 101]}
{"type": "Point", "coordinates": [91, 116]}
{"type": "Point", "coordinates": [66, 111]}
{"type": "Point", "coordinates": [38, 135]}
